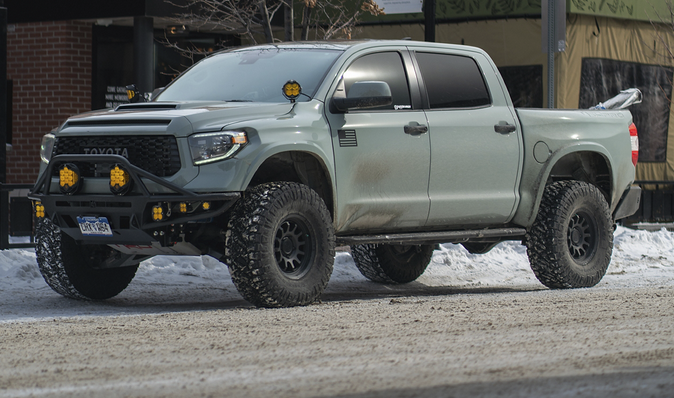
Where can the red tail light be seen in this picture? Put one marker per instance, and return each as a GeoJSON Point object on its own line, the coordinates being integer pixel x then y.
{"type": "Point", "coordinates": [635, 143]}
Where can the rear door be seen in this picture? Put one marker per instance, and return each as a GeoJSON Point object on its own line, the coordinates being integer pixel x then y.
{"type": "Point", "coordinates": [382, 168]}
{"type": "Point", "coordinates": [475, 139]}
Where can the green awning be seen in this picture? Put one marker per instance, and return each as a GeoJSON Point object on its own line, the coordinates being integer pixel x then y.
{"type": "Point", "coordinates": [643, 10]}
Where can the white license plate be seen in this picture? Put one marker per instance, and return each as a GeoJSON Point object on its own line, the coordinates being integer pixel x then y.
{"type": "Point", "coordinates": [94, 226]}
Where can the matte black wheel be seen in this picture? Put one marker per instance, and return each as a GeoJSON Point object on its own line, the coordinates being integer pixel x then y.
{"type": "Point", "coordinates": [280, 245]}
{"type": "Point", "coordinates": [392, 263]}
{"type": "Point", "coordinates": [68, 267]}
{"type": "Point", "coordinates": [570, 243]}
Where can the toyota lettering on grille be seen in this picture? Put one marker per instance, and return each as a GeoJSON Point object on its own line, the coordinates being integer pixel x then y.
{"type": "Point", "coordinates": [107, 151]}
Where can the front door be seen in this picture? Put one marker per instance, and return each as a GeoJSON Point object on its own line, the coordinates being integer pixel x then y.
{"type": "Point", "coordinates": [382, 168]}
{"type": "Point", "coordinates": [476, 145]}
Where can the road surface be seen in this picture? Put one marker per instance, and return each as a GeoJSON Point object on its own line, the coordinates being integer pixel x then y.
{"type": "Point", "coordinates": [414, 341]}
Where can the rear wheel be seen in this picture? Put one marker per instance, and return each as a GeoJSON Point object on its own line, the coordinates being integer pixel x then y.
{"type": "Point", "coordinates": [570, 243]}
{"type": "Point", "coordinates": [280, 245]}
{"type": "Point", "coordinates": [392, 263]}
{"type": "Point", "coordinates": [68, 266]}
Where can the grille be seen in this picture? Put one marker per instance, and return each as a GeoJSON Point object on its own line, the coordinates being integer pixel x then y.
{"type": "Point", "coordinates": [155, 154]}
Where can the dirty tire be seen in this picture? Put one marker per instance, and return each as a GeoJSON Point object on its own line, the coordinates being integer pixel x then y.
{"type": "Point", "coordinates": [280, 245]}
{"type": "Point", "coordinates": [66, 266]}
{"type": "Point", "coordinates": [392, 263]}
{"type": "Point", "coordinates": [570, 243]}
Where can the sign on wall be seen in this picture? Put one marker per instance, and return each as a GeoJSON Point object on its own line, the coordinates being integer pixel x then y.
{"type": "Point", "coordinates": [400, 6]}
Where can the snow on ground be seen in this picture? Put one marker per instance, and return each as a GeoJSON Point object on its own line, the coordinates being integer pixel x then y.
{"type": "Point", "coordinates": [176, 283]}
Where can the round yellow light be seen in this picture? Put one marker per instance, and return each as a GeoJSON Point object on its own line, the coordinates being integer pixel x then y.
{"type": "Point", "coordinates": [69, 179]}
{"type": "Point", "coordinates": [292, 89]}
{"type": "Point", "coordinates": [157, 213]}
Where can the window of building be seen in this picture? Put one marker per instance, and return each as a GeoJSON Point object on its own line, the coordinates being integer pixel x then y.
{"type": "Point", "coordinates": [452, 81]}
{"type": "Point", "coordinates": [602, 79]}
{"type": "Point", "coordinates": [387, 67]}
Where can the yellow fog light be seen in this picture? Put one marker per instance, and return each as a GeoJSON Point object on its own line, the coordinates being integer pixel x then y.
{"type": "Point", "coordinates": [292, 90]}
{"type": "Point", "coordinates": [39, 210]}
{"type": "Point", "coordinates": [157, 213]}
{"type": "Point", "coordinates": [206, 205]}
{"type": "Point", "coordinates": [69, 178]}
{"type": "Point", "coordinates": [183, 207]}
{"type": "Point", "coordinates": [120, 180]}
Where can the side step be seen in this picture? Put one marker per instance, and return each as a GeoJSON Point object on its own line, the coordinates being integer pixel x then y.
{"type": "Point", "coordinates": [420, 238]}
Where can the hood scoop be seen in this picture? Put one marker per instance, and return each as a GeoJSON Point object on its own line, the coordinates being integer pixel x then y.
{"type": "Point", "coordinates": [154, 106]}
{"type": "Point", "coordinates": [117, 122]}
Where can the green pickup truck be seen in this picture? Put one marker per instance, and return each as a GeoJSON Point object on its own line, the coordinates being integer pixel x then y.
{"type": "Point", "coordinates": [267, 157]}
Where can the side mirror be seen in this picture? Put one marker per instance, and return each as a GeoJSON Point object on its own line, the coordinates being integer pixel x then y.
{"type": "Point", "coordinates": [364, 95]}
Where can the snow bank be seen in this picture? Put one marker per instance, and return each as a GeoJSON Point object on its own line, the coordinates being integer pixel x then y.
{"type": "Point", "coordinates": [167, 283]}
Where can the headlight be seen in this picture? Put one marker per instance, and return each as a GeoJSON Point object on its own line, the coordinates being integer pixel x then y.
{"type": "Point", "coordinates": [47, 147]}
{"type": "Point", "coordinates": [211, 147]}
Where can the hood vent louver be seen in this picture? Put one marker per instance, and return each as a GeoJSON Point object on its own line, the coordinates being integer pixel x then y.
{"type": "Point", "coordinates": [113, 122]}
{"type": "Point", "coordinates": [146, 107]}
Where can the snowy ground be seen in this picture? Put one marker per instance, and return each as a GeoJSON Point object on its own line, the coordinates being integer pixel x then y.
{"type": "Point", "coordinates": [168, 283]}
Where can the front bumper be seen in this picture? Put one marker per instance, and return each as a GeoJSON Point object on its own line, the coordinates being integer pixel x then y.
{"type": "Point", "coordinates": [130, 215]}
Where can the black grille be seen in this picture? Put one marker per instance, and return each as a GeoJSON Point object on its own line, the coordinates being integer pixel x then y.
{"type": "Point", "coordinates": [156, 154]}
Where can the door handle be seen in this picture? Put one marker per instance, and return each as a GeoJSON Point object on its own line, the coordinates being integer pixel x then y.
{"type": "Point", "coordinates": [504, 128]}
{"type": "Point", "coordinates": [415, 128]}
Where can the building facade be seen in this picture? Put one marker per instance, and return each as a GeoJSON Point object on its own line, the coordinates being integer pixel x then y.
{"type": "Point", "coordinates": [63, 62]}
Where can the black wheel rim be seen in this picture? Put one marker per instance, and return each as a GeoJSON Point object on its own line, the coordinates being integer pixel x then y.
{"type": "Point", "coordinates": [582, 237]}
{"type": "Point", "coordinates": [293, 247]}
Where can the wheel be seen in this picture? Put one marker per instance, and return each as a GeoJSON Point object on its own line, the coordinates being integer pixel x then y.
{"type": "Point", "coordinates": [392, 263]}
{"type": "Point", "coordinates": [280, 245]}
{"type": "Point", "coordinates": [570, 243]}
{"type": "Point", "coordinates": [66, 265]}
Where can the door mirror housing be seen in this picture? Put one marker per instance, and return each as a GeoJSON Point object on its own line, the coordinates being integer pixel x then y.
{"type": "Point", "coordinates": [363, 95]}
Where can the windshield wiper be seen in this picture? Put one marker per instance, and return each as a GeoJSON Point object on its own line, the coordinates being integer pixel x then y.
{"type": "Point", "coordinates": [237, 100]}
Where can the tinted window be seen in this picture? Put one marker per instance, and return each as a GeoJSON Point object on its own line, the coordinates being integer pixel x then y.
{"type": "Point", "coordinates": [452, 81]}
{"type": "Point", "coordinates": [386, 67]}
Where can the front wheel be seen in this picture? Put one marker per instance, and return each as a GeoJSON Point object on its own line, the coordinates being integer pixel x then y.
{"type": "Point", "coordinates": [570, 243]}
{"type": "Point", "coordinates": [385, 263]}
{"type": "Point", "coordinates": [280, 245]}
{"type": "Point", "coordinates": [68, 266]}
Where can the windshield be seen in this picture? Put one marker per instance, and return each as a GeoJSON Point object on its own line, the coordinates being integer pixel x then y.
{"type": "Point", "coordinates": [252, 75]}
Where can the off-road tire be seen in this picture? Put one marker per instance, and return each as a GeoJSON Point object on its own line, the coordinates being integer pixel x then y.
{"type": "Point", "coordinates": [280, 245]}
{"type": "Point", "coordinates": [570, 243]}
{"type": "Point", "coordinates": [66, 266]}
{"type": "Point", "coordinates": [392, 263]}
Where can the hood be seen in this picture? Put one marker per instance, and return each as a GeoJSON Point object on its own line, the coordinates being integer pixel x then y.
{"type": "Point", "coordinates": [171, 117]}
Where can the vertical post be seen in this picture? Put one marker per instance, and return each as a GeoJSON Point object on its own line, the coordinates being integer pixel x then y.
{"type": "Point", "coordinates": [306, 17]}
{"type": "Point", "coordinates": [3, 95]}
{"type": "Point", "coordinates": [553, 38]}
{"type": "Point", "coordinates": [4, 196]}
{"type": "Point", "coordinates": [429, 20]}
{"type": "Point", "coordinates": [551, 53]}
{"type": "Point", "coordinates": [289, 21]}
{"type": "Point", "coordinates": [143, 54]}
{"type": "Point", "coordinates": [266, 22]}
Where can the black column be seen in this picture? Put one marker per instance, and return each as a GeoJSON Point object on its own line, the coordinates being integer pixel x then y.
{"type": "Point", "coordinates": [3, 95]}
{"type": "Point", "coordinates": [429, 20]}
{"type": "Point", "coordinates": [143, 54]}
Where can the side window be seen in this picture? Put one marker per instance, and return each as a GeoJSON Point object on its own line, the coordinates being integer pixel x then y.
{"type": "Point", "coordinates": [386, 67]}
{"type": "Point", "coordinates": [452, 81]}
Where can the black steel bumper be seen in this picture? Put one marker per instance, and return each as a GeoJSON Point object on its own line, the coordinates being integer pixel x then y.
{"type": "Point", "coordinates": [629, 203]}
{"type": "Point", "coordinates": [130, 215]}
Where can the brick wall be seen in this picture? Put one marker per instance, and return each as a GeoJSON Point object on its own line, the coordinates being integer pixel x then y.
{"type": "Point", "coordinates": [50, 65]}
